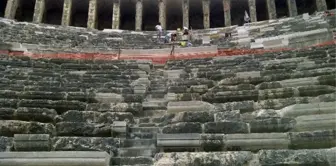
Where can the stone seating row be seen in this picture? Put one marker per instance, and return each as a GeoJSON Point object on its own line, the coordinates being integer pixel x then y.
{"type": "Point", "coordinates": [325, 157]}
{"type": "Point", "coordinates": [248, 142]}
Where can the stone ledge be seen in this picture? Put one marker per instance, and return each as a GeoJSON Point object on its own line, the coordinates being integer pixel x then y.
{"type": "Point", "coordinates": [60, 158]}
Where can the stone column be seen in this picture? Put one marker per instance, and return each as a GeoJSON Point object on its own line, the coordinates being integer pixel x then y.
{"type": "Point", "coordinates": [66, 16]}
{"type": "Point", "coordinates": [227, 12]}
{"type": "Point", "coordinates": [39, 11]}
{"type": "Point", "coordinates": [92, 14]}
{"type": "Point", "coordinates": [253, 11]}
{"type": "Point", "coordinates": [138, 15]}
{"type": "Point", "coordinates": [11, 8]}
{"type": "Point", "coordinates": [321, 5]}
{"type": "Point", "coordinates": [206, 13]}
{"type": "Point", "coordinates": [162, 13]}
{"type": "Point", "coordinates": [185, 11]}
{"type": "Point", "coordinates": [116, 14]}
{"type": "Point", "coordinates": [292, 8]}
{"type": "Point", "coordinates": [271, 9]}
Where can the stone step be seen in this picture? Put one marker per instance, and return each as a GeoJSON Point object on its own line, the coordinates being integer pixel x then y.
{"type": "Point", "coordinates": [137, 151]}
{"type": "Point", "coordinates": [155, 113]}
{"type": "Point", "coordinates": [154, 104]}
{"type": "Point", "coordinates": [147, 124]}
{"type": "Point", "coordinates": [144, 129]}
{"type": "Point", "coordinates": [138, 143]}
{"type": "Point", "coordinates": [142, 135]}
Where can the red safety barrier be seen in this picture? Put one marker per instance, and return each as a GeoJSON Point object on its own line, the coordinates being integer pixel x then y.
{"type": "Point", "coordinates": [155, 58]}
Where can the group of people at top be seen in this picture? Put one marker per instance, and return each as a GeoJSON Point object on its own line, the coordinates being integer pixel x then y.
{"type": "Point", "coordinates": [181, 36]}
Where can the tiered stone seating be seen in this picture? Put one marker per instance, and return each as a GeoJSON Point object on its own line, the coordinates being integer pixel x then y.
{"type": "Point", "coordinates": [271, 109]}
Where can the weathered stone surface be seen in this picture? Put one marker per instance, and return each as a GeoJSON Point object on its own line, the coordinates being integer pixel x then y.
{"type": "Point", "coordinates": [203, 158]}
{"type": "Point", "coordinates": [80, 116]}
{"type": "Point", "coordinates": [226, 127]}
{"type": "Point", "coordinates": [35, 114]}
{"type": "Point", "coordinates": [202, 117]}
{"type": "Point", "coordinates": [291, 157]}
{"type": "Point", "coordinates": [70, 158]}
{"type": "Point", "coordinates": [269, 125]}
{"type": "Point", "coordinates": [183, 127]}
{"type": "Point", "coordinates": [315, 122]}
{"type": "Point", "coordinates": [109, 117]}
{"type": "Point", "coordinates": [83, 129]}
{"type": "Point", "coordinates": [243, 106]}
{"type": "Point", "coordinates": [32, 142]}
{"type": "Point", "coordinates": [85, 144]}
{"type": "Point", "coordinates": [192, 106]}
{"type": "Point", "coordinates": [312, 139]}
{"type": "Point", "coordinates": [11, 127]}
{"type": "Point", "coordinates": [212, 142]}
{"type": "Point", "coordinates": [183, 96]}
{"type": "Point", "coordinates": [227, 116]}
{"type": "Point", "coordinates": [307, 109]}
{"type": "Point", "coordinates": [60, 106]}
{"type": "Point", "coordinates": [5, 143]}
{"type": "Point", "coordinates": [256, 141]}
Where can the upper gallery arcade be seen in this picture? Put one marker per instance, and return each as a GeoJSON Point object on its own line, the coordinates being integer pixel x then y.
{"type": "Point", "coordinates": [145, 14]}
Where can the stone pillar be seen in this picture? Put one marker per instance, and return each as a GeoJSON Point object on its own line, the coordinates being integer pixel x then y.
{"type": "Point", "coordinates": [206, 13]}
{"type": "Point", "coordinates": [227, 12]}
{"type": "Point", "coordinates": [271, 9]}
{"type": "Point", "coordinates": [185, 11]}
{"type": "Point", "coordinates": [321, 5]}
{"type": "Point", "coordinates": [138, 15]}
{"type": "Point", "coordinates": [162, 13]}
{"type": "Point", "coordinates": [92, 14]}
{"type": "Point", "coordinates": [253, 11]}
{"type": "Point", "coordinates": [11, 8]}
{"type": "Point", "coordinates": [116, 14]}
{"type": "Point", "coordinates": [292, 8]}
{"type": "Point", "coordinates": [39, 11]}
{"type": "Point", "coordinates": [66, 16]}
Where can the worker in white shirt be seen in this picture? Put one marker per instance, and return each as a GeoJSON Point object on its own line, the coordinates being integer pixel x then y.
{"type": "Point", "coordinates": [159, 31]}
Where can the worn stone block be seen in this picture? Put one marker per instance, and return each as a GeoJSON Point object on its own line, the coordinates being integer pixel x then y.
{"type": "Point", "coordinates": [226, 127]}
{"type": "Point", "coordinates": [275, 124]}
{"type": "Point", "coordinates": [183, 127]}
{"type": "Point", "coordinates": [107, 144]}
{"type": "Point", "coordinates": [312, 139]}
{"type": "Point", "coordinates": [212, 142]}
{"type": "Point", "coordinates": [181, 106]}
{"type": "Point", "coordinates": [256, 141]}
{"type": "Point", "coordinates": [69, 158]}
{"type": "Point", "coordinates": [315, 122]}
{"type": "Point", "coordinates": [31, 142]}
{"type": "Point", "coordinates": [178, 140]}
{"type": "Point", "coordinates": [227, 116]}
{"type": "Point", "coordinates": [6, 143]}
{"type": "Point", "coordinates": [11, 127]}
{"type": "Point", "coordinates": [83, 129]}
{"type": "Point", "coordinates": [202, 117]}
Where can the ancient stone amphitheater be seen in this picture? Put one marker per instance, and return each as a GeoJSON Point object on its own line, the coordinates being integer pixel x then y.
{"type": "Point", "coordinates": [72, 96]}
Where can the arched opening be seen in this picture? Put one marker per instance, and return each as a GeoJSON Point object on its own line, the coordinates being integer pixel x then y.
{"type": "Point", "coordinates": [216, 14]}
{"type": "Point", "coordinates": [127, 14]}
{"type": "Point", "coordinates": [196, 14]}
{"type": "Point", "coordinates": [238, 9]}
{"type": "Point", "coordinates": [174, 14]}
{"type": "Point", "coordinates": [331, 4]}
{"type": "Point", "coordinates": [262, 12]}
{"type": "Point", "coordinates": [150, 16]}
{"type": "Point", "coordinates": [53, 12]}
{"type": "Point", "coordinates": [281, 8]}
{"type": "Point", "coordinates": [306, 6]}
{"type": "Point", "coordinates": [25, 10]}
{"type": "Point", "coordinates": [104, 14]}
{"type": "Point", "coordinates": [79, 13]}
{"type": "Point", "coordinates": [3, 4]}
